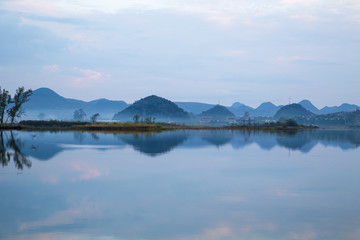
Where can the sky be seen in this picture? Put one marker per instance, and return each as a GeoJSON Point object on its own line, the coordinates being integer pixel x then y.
{"type": "Point", "coordinates": [224, 51]}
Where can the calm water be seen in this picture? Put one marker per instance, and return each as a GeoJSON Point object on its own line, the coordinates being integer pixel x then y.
{"type": "Point", "coordinates": [180, 185]}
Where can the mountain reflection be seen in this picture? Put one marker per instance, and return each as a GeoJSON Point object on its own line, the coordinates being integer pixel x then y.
{"type": "Point", "coordinates": [45, 145]}
{"type": "Point", "coordinates": [10, 150]}
{"type": "Point", "coordinates": [154, 144]}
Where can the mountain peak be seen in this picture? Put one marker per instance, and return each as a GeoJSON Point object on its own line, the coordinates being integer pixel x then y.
{"type": "Point", "coordinates": [237, 105]}
{"type": "Point", "coordinates": [45, 91]}
{"type": "Point", "coordinates": [153, 106]}
{"type": "Point", "coordinates": [308, 106]}
{"type": "Point", "coordinates": [292, 110]}
{"type": "Point", "coordinates": [217, 111]}
{"type": "Point", "coordinates": [266, 105]}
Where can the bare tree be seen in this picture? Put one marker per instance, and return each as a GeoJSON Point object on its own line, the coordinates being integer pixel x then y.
{"type": "Point", "coordinates": [5, 100]}
{"type": "Point", "coordinates": [94, 117]}
{"type": "Point", "coordinates": [21, 96]}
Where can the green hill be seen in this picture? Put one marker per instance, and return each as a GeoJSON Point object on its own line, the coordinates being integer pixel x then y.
{"type": "Point", "coordinates": [217, 112]}
{"type": "Point", "coordinates": [153, 106]}
{"type": "Point", "coordinates": [291, 111]}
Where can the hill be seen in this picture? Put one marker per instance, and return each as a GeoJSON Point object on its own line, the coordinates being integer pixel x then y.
{"type": "Point", "coordinates": [45, 98]}
{"type": "Point", "coordinates": [345, 107]}
{"type": "Point", "coordinates": [266, 109]}
{"type": "Point", "coordinates": [239, 109]}
{"type": "Point", "coordinates": [217, 112]}
{"type": "Point", "coordinates": [292, 110]}
{"type": "Point", "coordinates": [333, 119]}
{"type": "Point", "coordinates": [51, 105]}
{"type": "Point", "coordinates": [309, 106]}
{"type": "Point", "coordinates": [153, 106]}
{"type": "Point", "coordinates": [194, 107]}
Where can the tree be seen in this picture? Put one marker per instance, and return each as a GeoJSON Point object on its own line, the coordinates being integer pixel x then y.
{"type": "Point", "coordinates": [94, 117]}
{"type": "Point", "coordinates": [148, 120]}
{"type": "Point", "coordinates": [21, 96]}
{"type": "Point", "coordinates": [136, 118]}
{"type": "Point", "coordinates": [79, 115]}
{"type": "Point", "coordinates": [5, 100]}
{"type": "Point", "coordinates": [291, 123]}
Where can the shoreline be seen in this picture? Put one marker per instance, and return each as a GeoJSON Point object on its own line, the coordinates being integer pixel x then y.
{"type": "Point", "coordinates": [130, 127]}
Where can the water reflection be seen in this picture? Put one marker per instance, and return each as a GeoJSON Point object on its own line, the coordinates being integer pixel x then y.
{"type": "Point", "coordinates": [198, 185]}
{"type": "Point", "coordinates": [10, 150]}
{"type": "Point", "coordinates": [48, 144]}
{"type": "Point", "coordinates": [154, 144]}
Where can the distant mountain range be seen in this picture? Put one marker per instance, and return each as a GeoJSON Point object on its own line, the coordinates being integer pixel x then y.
{"type": "Point", "coordinates": [47, 104]}
{"type": "Point", "coordinates": [351, 119]}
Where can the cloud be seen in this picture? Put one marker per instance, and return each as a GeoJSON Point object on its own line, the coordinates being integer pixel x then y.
{"type": "Point", "coordinates": [89, 78]}
{"type": "Point", "coordinates": [303, 236]}
{"type": "Point", "coordinates": [301, 2]}
{"type": "Point", "coordinates": [27, 44]}
{"type": "Point", "coordinates": [40, 7]}
{"type": "Point", "coordinates": [225, 43]}
{"type": "Point", "coordinates": [286, 193]}
{"type": "Point", "coordinates": [51, 68]}
{"type": "Point", "coordinates": [218, 232]}
{"type": "Point", "coordinates": [233, 53]}
{"type": "Point", "coordinates": [233, 199]}
{"type": "Point", "coordinates": [305, 17]}
{"type": "Point", "coordinates": [65, 28]}
{"type": "Point", "coordinates": [62, 236]}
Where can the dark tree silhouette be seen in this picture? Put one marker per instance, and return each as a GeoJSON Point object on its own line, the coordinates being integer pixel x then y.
{"type": "Point", "coordinates": [21, 96]}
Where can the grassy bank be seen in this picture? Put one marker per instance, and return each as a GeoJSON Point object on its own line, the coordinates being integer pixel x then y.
{"type": "Point", "coordinates": [54, 125]}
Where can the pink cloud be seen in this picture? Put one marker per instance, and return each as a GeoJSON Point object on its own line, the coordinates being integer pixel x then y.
{"type": "Point", "coordinates": [219, 232]}
{"type": "Point", "coordinates": [89, 78]}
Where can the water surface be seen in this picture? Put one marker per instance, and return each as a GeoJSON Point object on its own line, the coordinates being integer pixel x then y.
{"type": "Point", "coordinates": [180, 185]}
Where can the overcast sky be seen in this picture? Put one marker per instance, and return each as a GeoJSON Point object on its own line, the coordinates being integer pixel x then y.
{"type": "Point", "coordinates": [224, 51]}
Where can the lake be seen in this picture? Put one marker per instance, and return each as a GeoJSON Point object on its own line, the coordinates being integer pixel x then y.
{"type": "Point", "coordinates": [180, 185]}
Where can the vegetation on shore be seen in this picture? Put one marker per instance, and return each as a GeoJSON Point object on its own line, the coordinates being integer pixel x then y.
{"type": "Point", "coordinates": [86, 126]}
{"type": "Point", "coordinates": [144, 127]}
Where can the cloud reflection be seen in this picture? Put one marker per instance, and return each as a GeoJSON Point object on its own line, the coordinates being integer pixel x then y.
{"type": "Point", "coordinates": [87, 172]}
{"type": "Point", "coordinates": [86, 210]}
